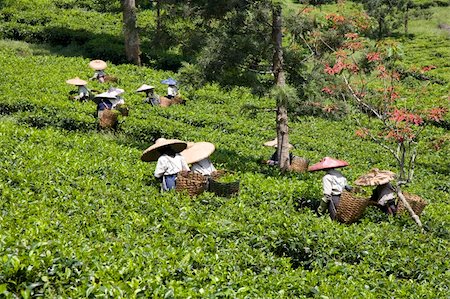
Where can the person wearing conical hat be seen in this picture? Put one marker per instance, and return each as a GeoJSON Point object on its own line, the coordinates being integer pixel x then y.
{"type": "Point", "coordinates": [274, 158]}
{"type": "Point", "coordinates": [198, 154]}
{"type": "Point", "coordinates": [83, 93]}
{"type": "Point", "coordinates": [172, 90]}
{"type": "Point", "coordinates": [104, 101]}
{"type": "Point", "coordinates": [169, 161]}
{"type": "Point", "coordinates": [151, 97]}
{"type": "Point", "coordinates": [384, 192]}
{"type": "Point", "coordinates": [333, 184]}
{"type": "Point", "coordinates": [99, 67]}
{"type": "Point", "coordinates": [118, 100]}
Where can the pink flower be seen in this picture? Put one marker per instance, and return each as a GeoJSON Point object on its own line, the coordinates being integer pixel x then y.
{"type": "Point", "coordinates": [373, 56]}
{"type": "Point", "coordinates": [327, 90]}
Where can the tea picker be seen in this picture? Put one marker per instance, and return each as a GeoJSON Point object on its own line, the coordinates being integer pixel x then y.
{"type": "Point", "coordinates": [334, 183]}
{"type": "Point", "coordinates": [169, 161]}
{"type": "Point", "coordinates": [172, 90]}
{"type": "Point", "coordinates": [106, 117]}
{"type": "Point", "coordinates": [198, 154]}
{"type": "Point", "coordinates": [384, 193]}
{"type": "Point", "coordinates": [83, 93]}
{"type": "Point", "coordinates": [151, 97]}
{"type": "Point", "coordinates": [274, 158]}
{"type": "Point", "coordinates": [99, 67]}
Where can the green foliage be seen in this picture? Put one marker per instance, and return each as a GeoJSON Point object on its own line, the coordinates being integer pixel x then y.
{"type": "Point", "coordinates": [80, 215]}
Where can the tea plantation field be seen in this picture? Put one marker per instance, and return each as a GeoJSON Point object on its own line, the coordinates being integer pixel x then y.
{"type": "Point", "coordinates": [82, 217]}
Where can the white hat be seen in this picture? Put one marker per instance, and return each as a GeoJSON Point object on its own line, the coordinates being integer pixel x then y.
{"type": "Point", "coordinates": [116, 91]}
{"type": "Point", "coordinates": [144, 87]}
{"type": "Point", "coordinates": [98, 64]}
{"type": "Point", "coordinates": [198, 151]}
{"type": "Point", "coordinates": [274, 143]}
{"type": "Point", "coordinates": [76, 81]}
{"type": "Point", "coordinates": [106, 95]}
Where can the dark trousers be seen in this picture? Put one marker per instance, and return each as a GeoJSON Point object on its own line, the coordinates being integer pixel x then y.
{"type": "Point", "coordinates": [332, 206]}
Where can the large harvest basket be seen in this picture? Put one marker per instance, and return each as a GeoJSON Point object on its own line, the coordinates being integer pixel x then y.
{"type": "Point", "coordinates": [108, 118]}
{"type": "Point", "coordinates": [299, 164]}
{"type": "Point", "coordinates": [224, 189]}
{"type": "Point", "coordinates": [350, 207]}
{"type": "Point", "coordinates": [164, 102]}
{"type": "Point", "coordinates": [193, 183]}
{"type": "Point", "coordinates": [416, 202]}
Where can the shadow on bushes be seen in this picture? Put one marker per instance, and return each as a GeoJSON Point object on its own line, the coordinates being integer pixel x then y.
{"type": "Point", "coordinates": [78, 42]}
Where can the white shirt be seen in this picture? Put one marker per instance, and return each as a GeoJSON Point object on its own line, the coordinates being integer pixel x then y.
{"type": "Point", "coordinates": [172, 90]}
{"type": "Point", "coordinates": [204, 167]}
{"type": "Point", "coordinates": [82, 91]}
{"type": "Point", "coordinates": [99, 73]}
{"type": "Point", "coordinates": [333, 182]}
{"type": "Point", "coordinates": [117, 101]}
{"type": "Point", "coordinates": [385, 193]}
{"type": "Point", "coordinates": [167, 165]}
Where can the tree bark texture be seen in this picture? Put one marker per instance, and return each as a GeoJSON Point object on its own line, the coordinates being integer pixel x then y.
{"type": "Point", "coordinates": [130, 32]}
{"type": "Point", "coordinates": [280, 80]}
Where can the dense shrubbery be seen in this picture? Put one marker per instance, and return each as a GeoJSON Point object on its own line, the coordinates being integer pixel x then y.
{"type": "Point", "coordinates": [81, 216]}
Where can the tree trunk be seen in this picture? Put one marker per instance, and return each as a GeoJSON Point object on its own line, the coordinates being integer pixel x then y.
{"type": "Point", "coordinates": [280, 80]}
{"type": "Point", "coordinates": [410, 210]}
{"type": "Point", "coordinates": [406, 19]}
{"type": "Point", "coordinates": [130, 32]}
{"type": "Point", "coordinates": [158, 18]}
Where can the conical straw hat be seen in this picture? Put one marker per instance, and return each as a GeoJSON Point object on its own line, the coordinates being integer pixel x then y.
{"type": "Point", "coordinates": [76, 81]}
{"type": "Point", "coordinates": [274, 143]}
{"type": "Point", "coordinates": [106, 95]}
{"type": "Point", "coordinates": [169, 81]}
{"type": "Point", "coordinates": [116, 91]}
{"type": "Point", "coordinates": [98, 64]}
{"type": "Point", "coordinates": [145, 87]}
{"type": "Point", "coordinates": [375, 177]}
{"type": "Point", "coordinates": [328, 163]}
{"type": "Point", "coordinates": [152, 153]}
{"type": "Point", "coordinates": [198, 151]}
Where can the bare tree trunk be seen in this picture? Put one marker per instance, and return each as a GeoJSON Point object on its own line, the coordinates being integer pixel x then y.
{"type": "Point", "coordinates": [406, 19]}
{"type": "Point", "coordinates": [130, 32]}
{"type": "Point", "coordinates": [280, 80]}
{"type": "Point", "coordinates": [410, 210]}
{"type": "Point", "coordinates": [158, 18]}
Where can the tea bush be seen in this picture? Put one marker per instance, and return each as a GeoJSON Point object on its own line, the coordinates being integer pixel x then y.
{"type": "Point", "coordinates": [81, 215]}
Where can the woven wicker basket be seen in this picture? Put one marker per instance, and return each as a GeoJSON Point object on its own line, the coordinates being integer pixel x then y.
{"type": "Point", "coordinates": [193, 183]}
{"type": "Point", "coordinates": [164, 102]}
{"type": "Point", "coordinates": [123, 109]}
{"type": "Point", "coordinates": [350, 207]}
{"type": "Point", "coordinates": [416, 202]}
{"type": "Point", "coordinates": [218, 174]}
{"type": "Point", "coordinates": [108, 118]}
{"type": "Point", "coordinates": [299, 164]}
{"type": "Point", "coordinates": [224, 189]}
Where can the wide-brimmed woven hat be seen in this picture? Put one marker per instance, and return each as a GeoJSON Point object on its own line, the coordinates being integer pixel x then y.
{"type": "Point", "coordinates": [106, 95]}
{"type": "Point", "coordinates": [98, 65]}
{"type": "Point", "coordinates": [145, 87]}
{"type": "Point", "coordinates": [274, 143]}
{"type": "Point", "coordinates": [328, 163]}
{"type": "Point", "coordinates": [375, 177]}
{"type": "Point", "coordinates": [198, 151]}
{"type": "Point", "coordinates": [116, 91]}
{"type": "Point", "coordinates": [76, 81]}
{"type": "Point", "coordinates": [169, 81]}
{"type": "Point", "coordinates": [152, 153]}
